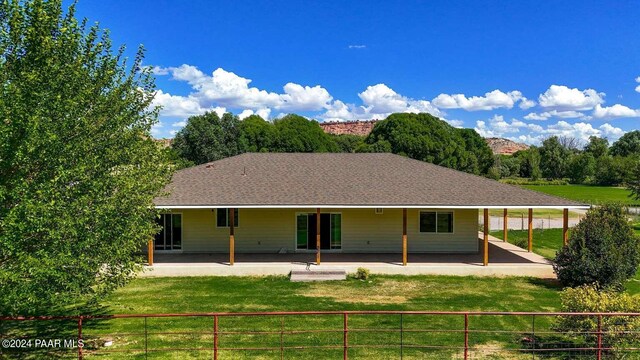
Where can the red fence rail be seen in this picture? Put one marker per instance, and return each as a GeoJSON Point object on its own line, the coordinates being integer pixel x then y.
{"type": "Point", "coordinates": [402, 334]}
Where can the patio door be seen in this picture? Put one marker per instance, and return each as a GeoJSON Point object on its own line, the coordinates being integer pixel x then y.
{"type": "Point", "coordinates": [330, 231]}
{"type": "Point", "coordinates": [170, 236]}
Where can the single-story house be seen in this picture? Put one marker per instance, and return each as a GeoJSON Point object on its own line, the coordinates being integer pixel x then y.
{"type": "Point", "coordinates": [333, 202]}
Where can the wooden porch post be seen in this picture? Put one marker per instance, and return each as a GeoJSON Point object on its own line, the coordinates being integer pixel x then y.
{"type": "Point", "coordinates": [232, 236]}
{"type": "Point", "coordinates": [505, 225]}
{"type": "Point", "coordinates": [530, 235]}
{"type": "Point", "coordinates": [485, 260]}
{"type": "Point", "coordinates": [150, 252]}
{"type": "Point", "coordinates": [318, 236]}
{"type": "Point", "coordinates": [404, 236]}
{"type": "Point", "coordinates": [565, 226]}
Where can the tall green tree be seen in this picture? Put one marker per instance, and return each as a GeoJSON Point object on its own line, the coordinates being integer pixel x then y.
{"type": "Point", "coordinates": [208, 137]}
{"type": "Point", "coordinates": [427, 138]}
{"type": "Point", "coordinates": [529, 163]}
{"type": "Point", "coordinates": [297, 134]}
{"type": "Point", "coordinates": [256, 134]}
{"type": "Point", "coordinates": [79, 169]}
{"type": "Point", "coordinates": [581, 167]}
{"type": "Point", "coordinates": [597, 147]}
{"type": "Point", "coordinates": [628, 144]}
{"type": "Point", "coordinates": [554, 158]}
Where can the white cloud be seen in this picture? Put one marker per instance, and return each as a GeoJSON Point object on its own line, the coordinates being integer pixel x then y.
{"type": "Point", "coordinates": [357, 46]}
{"type": "Point", "coordinates": [561, 97]}
{"type": "Point", "coordinates": [526, 103]}
{"type": "Point", "coordinates": [225, 88]}
{"type": "Point", "coordinates": [638, 81]}
{"type": "Point", "coordinates": [533, 134]}
{"type": "Point", "coordinates": [567, 114]}
{"type": "Point", "coordinates": [175, 105]}
{"type": "Point", "coordinates": [180, 124]}
{"type": "Point", "coordinates": [379, 101]}
{"type": "Point", "coordinates": [263, 113]}
{"type": "Point", "coordinates": [491, 100]}
{"type": "Point", "coordinates": [615, 111]}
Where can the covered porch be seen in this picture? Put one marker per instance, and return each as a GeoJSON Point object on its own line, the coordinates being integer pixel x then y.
{"type": "Point", "coordinates": [507, 260]}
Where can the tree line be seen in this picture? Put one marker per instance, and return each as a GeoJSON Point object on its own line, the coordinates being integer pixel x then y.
{"type": "Point", "coordinates": [210, 137]}
{"type": "Point", "coordinates": [559, 158]}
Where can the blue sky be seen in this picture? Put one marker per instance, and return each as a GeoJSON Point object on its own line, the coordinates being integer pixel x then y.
{"type": "Point", "coordinates": [515, 69]}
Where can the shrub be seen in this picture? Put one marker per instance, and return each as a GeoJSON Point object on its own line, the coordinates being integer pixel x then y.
{"type": "Point", "coordinates": [618, 331]}
{"type": "Point", "coordinates": [602, 250]}
{"type": "Point", "coordinates": [522, 181]}
{"type": "Point", "coordinates": [362, 273]}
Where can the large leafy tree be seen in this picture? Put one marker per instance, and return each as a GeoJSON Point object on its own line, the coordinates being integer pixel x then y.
{"type": "Point", "coordinates": [208, 137]}
{"type": "Point", "coordinates": [597, 147]}
{"type": "Point", "coordinates": [427, 138]}
{"type": "Point", "coordinates": [554, 158]}
{"type": "Point", "coordinates": [79, 169]}
{"type": "Point", "coordinates": [256, 134]}
{"type": "Point", "coordinates": [628, 144]}
{"type": "Point", "coordinates": [297, 134]}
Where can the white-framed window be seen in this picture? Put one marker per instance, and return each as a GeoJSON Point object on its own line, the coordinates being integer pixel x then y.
{"type": "Point", "coordinates": [222, 217]}
{"type": "Point", "coordinates": [436, 222]}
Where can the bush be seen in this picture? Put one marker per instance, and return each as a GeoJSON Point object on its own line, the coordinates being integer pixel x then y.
{"type": "Point", "coordinates": [618, 331]}
{"type": "Point", "coordinates": [602, 250]}
{"type": "Point", "coordinates": [521, 181]}
{"type": "Point", "coordinates": [362, 273]}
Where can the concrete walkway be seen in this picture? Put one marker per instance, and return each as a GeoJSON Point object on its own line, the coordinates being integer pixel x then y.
{"type": "Point", "coordinates": [504, 260]}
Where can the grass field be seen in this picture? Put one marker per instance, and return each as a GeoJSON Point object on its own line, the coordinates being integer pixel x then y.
{"type": "Point", "coordinates": [545, 242]}
{"type": "Point", "coordinates": [587, 194]}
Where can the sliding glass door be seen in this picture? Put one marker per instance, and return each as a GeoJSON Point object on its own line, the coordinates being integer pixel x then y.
{"type": "Point", "coordinates": [170, 237]}
{"type": "Point", "coordinates": [330, 231]}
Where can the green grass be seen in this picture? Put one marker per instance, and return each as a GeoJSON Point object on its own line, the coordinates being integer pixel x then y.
{"type": "Point", "coordinates": [545, 242]}
{"type": "Point", "coordinates": [245, 294]}
{"type": "Point", "coordinates": [587, 194]}
{"type": "Point", "coordinates": [537, 213]}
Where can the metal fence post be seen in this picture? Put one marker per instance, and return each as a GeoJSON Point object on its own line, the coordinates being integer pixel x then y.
{"type": "Point", "coordinates": [146, 341]}
{"type": "Point", "coordinates": [345, 340]}
{"type": "Point", "coordinates": [215, 337]}
{"type": "Point", "coordinates": [599, 356]}
{"type": "Point", "coordinates": [401, 336]}
{"type": "Point", "coordinates": [533, 336]}
{"type": "Point", "coordinates": [79, 337]}
{"type": "Point", "coordinates": [466, 336]}
{"type": "Point", "coordinates": [281, 337]}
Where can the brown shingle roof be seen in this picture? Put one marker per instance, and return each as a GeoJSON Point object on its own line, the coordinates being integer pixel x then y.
{"type": "Point", "coordinates": [325, 179]}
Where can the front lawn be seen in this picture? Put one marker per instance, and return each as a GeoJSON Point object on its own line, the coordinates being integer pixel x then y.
{"type": "Point", "coordinates": [587, 194]}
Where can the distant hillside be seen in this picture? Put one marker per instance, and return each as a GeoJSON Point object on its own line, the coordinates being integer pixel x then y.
{"type": "Point", "coordinates": [503, 146]}
{"type": "Point", "coordinates": [359, 127]}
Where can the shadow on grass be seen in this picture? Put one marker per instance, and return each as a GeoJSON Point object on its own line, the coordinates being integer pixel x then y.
{"type": "Point", "coordinates": [551, 284]}
{"type": "Point", "coordinates": [36, 338]}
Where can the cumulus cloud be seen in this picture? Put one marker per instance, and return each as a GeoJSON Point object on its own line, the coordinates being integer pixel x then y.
{"type": "Point", "coordinates": [638, 81]}
{"type": "Point", "coordinates": [378, 102]}
{"type": "Point", "coordinates": [357, 46]}
{"type": "Point", "coordinates": [226, 89]}
{"type": "Point", "coordinates": [561, 97]}
{"type": "Point", "coordinates": [533, 134]}
{"type": "Point", "coordinates": [491, 100]}
{"type": "Point", "coordinates": [615, 111]}
{"type": "Point", "coordinates": [567, 114]}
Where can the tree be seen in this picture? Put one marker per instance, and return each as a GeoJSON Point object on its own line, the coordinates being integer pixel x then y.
{"type": "Point", "coordinates": [581, 167]}
{"type": "Point", "coordinates": [602, 250]}
{"type": "Point", "coordinates": [427, 138]}
{"type": "Point", "coordinates": [256, 134]}
{"type": "Point", "coordinates": [347, 142]}
{"type": "Point", "coordinates": [634, 183]}
{"type": "Point", "coordinates": [553, 158]}
{"type": "Point", "coordinates": [79, 167]}
{"type": "Point", "coordinates": [597, 147]}
{"type": "Point", "coordinates": [628, 144]}
{"type": "Point", "coordinates": [208, 137]}
{"type": "Point", "coordinates": [297, 134]}
{"type": "Point", "coordinates": [529, 163]}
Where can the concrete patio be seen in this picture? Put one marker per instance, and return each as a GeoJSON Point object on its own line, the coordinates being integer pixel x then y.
{"type": "Point", "coordinates": [504, 260]}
